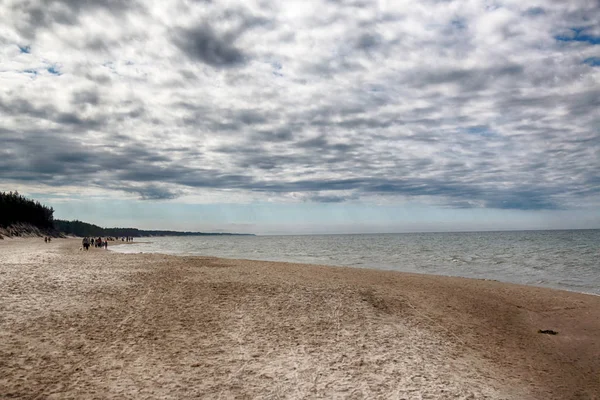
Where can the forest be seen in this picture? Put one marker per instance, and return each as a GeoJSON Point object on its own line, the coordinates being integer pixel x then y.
{"type": "Point", "coordinates": [15, 209]}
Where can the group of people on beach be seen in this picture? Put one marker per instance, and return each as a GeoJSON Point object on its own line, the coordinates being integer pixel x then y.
{"type": "Point", "coordinates": [47, 239]}
{"type": "Point", "coordinates": [87, 242]}
{"type": "Point", "coordinates": [97, 242]}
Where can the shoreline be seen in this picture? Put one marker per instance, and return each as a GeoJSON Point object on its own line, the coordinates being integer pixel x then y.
{"type": "Point", "coordinates": [112, 325]}
{"type": "Point", "coordinates": [552, 287]}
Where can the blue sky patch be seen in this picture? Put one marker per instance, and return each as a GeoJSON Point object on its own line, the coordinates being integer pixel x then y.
{"type": "Point", "coordinates": [592, 61]}
{"type": "Point", "coordinates": [578, 35]}
{"type": "Point", "coordinates": [25, 49]}
{"type": "Point", "coordinates": [53, 70]}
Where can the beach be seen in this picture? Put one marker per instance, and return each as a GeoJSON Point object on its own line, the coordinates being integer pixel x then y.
{"type": "Point", "coordinates": [103, 325]}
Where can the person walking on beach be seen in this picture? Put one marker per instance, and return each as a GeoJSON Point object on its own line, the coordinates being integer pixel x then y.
{"type": "Point", "coordinates": [106, 244]}
{"type": "Point", "coordinates": [86, 243]}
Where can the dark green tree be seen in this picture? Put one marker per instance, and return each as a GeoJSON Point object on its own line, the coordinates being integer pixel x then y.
{"type": "Point", "coordinates": [15, 209]}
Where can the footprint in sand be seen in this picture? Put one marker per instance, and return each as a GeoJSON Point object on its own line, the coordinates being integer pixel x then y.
{"type": "Point", "coordinates": [420, 379]}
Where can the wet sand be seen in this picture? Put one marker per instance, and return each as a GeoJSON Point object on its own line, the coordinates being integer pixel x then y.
{"type": "Point", "coordinates": [103, 325]}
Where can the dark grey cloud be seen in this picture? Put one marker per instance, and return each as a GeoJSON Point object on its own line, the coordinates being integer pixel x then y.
{"type": "Point", "coordinates": [250, 117]}
{"type": "Point", "coordinates": [44, 14]}
{"type": "Point", "coordinates": [471, 79]}
{"type": "Point", "coordinates": [51, 156]}
{"type": "Point", "coordinates": [24, 108]}
{"type": "Point", "coordinates": [318, 198]}
{"type": "Point", "coordinates": [280, 134]}
{"type": "Point", "coordinates": [219, 120]}
{"type": "Point", "coordinates": [64, 161]}
{"type": "Point", "coordinates": [203, 44]}
{"type": "Point", "coordinates": [91, 97]}
{"type": "Point", "coordinates": [368, 41]}
{"type": "Point", "coordinates": [152, 192]}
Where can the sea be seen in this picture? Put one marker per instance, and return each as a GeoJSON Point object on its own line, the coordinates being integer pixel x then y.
{"type": "Point", "coordinates": [563, 259]}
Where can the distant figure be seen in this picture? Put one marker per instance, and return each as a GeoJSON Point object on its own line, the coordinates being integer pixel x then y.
{"type": "Point", "coordinates": [106, 244]}
{"type": "Point", "coordinates": [45, 239]}
{"type": "Point", "coordinates": [92, 241]}
{"type": "Point", "coordinates": [86, 243]}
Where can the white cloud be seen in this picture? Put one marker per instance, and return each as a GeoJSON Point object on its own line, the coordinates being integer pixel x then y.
{"type": "Point", "coordinates": [458, 102]}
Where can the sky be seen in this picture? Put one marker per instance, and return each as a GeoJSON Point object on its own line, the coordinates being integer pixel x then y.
{"type": "Point", "coordinates": [311, 116]}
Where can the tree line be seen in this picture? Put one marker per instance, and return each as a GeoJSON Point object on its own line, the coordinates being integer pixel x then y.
{"type": "Point", "coordinates": [80, 228]}
{"type": "Point", "coordinates": [83, 229]}
{"type": "Point", "coordinates": [15, 208]}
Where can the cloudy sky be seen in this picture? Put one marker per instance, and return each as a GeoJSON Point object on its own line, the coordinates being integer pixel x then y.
{"type": "Point", "coordinates": [304, 116]}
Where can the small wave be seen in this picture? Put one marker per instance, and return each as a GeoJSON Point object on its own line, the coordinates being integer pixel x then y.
{"type": "Point", "coordinates": [547, 261]}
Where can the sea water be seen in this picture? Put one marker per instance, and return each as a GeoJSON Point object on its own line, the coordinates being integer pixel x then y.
{"type": "Point", "coordinates": [568, 259]}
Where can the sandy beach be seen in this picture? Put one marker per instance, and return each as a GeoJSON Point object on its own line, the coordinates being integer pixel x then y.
{"type": "Point", "coordinates": [103, 325]}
